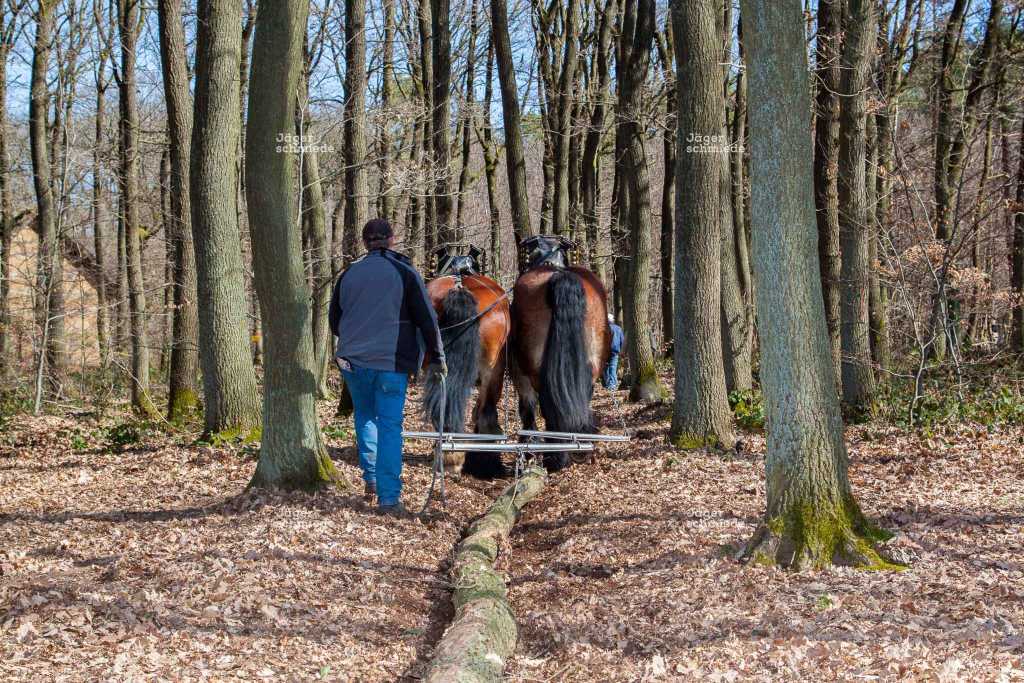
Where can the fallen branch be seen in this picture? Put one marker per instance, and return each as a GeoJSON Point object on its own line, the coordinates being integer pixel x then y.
{"type": "Point", "coordinates": [482, 635]}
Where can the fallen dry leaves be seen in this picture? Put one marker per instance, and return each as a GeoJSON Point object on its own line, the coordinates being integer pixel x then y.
{"type": "Point", "coordinates": [155, 564]}
{"type": "Point", "coordinates": [623, 570]}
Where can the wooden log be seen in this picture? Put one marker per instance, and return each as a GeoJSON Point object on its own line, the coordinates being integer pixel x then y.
{"type": "Point", "coordinates": [483, 633]}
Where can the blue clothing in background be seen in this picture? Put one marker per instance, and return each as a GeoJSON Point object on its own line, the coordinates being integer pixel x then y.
{"type": "Point", "coordinates": [618, 338]}
{"type": "Point", "coordinates": [610, 379]}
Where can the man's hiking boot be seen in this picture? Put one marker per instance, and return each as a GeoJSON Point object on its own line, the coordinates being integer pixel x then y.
{"type": "Point", "coordinates": [397, 511]}
{"type": "Point", "coordinates": [369, 491]}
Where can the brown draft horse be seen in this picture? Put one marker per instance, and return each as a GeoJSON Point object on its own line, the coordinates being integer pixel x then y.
{"type": "Point", "coordinates": [561, 341]}
{"type": "Point", "coordinates": [473, 314]}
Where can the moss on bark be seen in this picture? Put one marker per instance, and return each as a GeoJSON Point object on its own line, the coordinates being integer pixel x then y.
{"type": "Point", "coordinates": [183, 403]}
{"type": "Point", "coordinates": [483, 633]}
{"type": "Point", "coordinates": [815, 536]}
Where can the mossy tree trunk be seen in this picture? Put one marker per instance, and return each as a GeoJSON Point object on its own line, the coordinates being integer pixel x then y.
{"type": "Point", "coordinates": [812, 518]}
{"type": "Point", "coordinates": [482, 636]}
{"type": "Point", "coordinates": [183, 389]}
{"type": "Point", "coordinates": [858, 381]}
{"type": "Point", "coordinates": [638, 25]}
{"type": "Point", "coordinates": [701, 412]}
{"type": "Point", "coordinates": [292, 453]}
{"type": "Point", "coordinates": [130, 26]}
{"type": "Point", "coordinates": [230, 397]}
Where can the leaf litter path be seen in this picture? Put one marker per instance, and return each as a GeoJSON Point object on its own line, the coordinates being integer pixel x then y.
{"type": "Point", "coordinates": [155, 564]}
{"type": "Point", "coordinates": [621, 570]}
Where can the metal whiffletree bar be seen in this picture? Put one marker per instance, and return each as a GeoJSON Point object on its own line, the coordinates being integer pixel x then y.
{"type": "Point", "coordinates": [448, 442]}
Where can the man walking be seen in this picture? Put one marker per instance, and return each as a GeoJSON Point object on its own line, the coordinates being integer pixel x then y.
{"type": "Point", "coordinates": [383, 319]}
{"type": "Point", "coordinates": [611, 371]}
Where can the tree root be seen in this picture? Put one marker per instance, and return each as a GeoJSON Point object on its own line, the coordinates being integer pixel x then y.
{"type": "Point", "coordinates": [483, 633]}
{"type": "Point", "coordinates": [805, 538]}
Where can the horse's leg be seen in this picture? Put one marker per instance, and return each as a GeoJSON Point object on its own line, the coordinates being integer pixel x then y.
{"type": "Point", "coordinates": [527, 399]}
{"type": "Point", "coordinates": [481, 464]}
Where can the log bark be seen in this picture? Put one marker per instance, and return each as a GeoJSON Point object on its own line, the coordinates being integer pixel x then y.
{"type": "Point", "coordinates": [483, 633]}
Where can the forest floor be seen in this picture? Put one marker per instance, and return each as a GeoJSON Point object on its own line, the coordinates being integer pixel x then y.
{"type": "Point", "coordinates": [140, 556]}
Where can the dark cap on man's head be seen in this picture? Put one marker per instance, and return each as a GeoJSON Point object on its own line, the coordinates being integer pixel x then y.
{"type": "Point", "coordinates": [377, 230]}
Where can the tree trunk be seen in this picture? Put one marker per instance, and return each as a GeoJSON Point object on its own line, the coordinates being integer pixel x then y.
{"type": "Point", "coordinates": [386, 201]}
{"type": "Point", "coordinates": [183, 389]}
{"type": "Point", "coordinates": [812, 518]}
{"type": "Point", "coordinates": [951, 137]}
{"type": "Point", "coordinates": [99, 226]}
{"type": "Point", "coordinates": [8, 359]}
{"type": "Point", "coordinates": [638, 25]}
{"type": "Point", "coordinates": [466, 116]}
{"type": "Point", "coordinates": [591, 164]}
{"type": "Point", "coordinates": [42, 180]}
{"type": "Point", "coordinates": [292, 452]}
{"type": "Point", "coordinates": [701, 412]}
{"type": "Point", "coordinates": [356, 187]}
{"type": "Point", "coordinates": [491, 166]}
{"type": "Point", "coordinates": [442, 52]}
{"type": "Point", "coordinates": [130, 25]}
{"type": "Point", "coordinates": [315, 229]}
{"type": "Point", "coordinates": [828, 49]}
{"type": "Point", "coordinates": [563, 120]}
{"type": "Point", "coordinates": [854, 226]}
{"type": "Point", "coordinates": [428, 207]}
{"type": "Point", "coordinates": [666, 50]}
{"type": "Point", "coordinates": [514, 158]}
{"type": "Point", "coordinates": [1017, 256]}
{"type": "Point", "coordinates": [230, 396]}
{"type": "Point", "coordinates": [737, 333]}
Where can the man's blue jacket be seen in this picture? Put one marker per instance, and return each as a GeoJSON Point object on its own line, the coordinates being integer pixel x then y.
{"type": "Point", "coordinates": [382, 315]}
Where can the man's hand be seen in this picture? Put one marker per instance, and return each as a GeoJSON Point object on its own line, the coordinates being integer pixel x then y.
{"type": "Point", "coordinates": [440, 367]}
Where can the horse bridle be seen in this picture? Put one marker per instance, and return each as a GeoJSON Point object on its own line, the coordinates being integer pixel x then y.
{"type": "Point", "coordinates": [549, 251]}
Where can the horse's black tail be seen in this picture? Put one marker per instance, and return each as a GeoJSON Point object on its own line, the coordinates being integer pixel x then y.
{"type": "Point", "coordinates": [566, 382]}
{"type": "Point", "coordinates": [460, 333]}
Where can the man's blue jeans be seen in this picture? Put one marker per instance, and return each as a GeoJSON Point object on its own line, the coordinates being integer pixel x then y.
{"type": "Point", "coordinates": [611, 373]}
{"type": "Point", "coordinates": [378, 397]}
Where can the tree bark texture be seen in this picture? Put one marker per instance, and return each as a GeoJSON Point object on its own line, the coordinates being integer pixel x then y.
{"type": "Point", "coordinates": [292, 452]}
{"type": "Point", "coordinates": [230, 398]}
{"type": "Point", "coordinates": [701, 412]}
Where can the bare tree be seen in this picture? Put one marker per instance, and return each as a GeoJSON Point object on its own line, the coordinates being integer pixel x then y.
{"type": "Point", "coordinates": [292, 452]}
{"type": "Point", "coordinates": [812, 518]}
{"type": "Point", "coordinates": [701, 412]}
{"type": "Point", "coordinates": [514, 157]}
{"type": "Point", "coordinates": [183, 390]}
{"type": "Point", "coordinates": [854, 225]}
{"type": "Point", "coordinates": [230, 398]}
{"type": "Point", "coordinates": [130, 19]}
